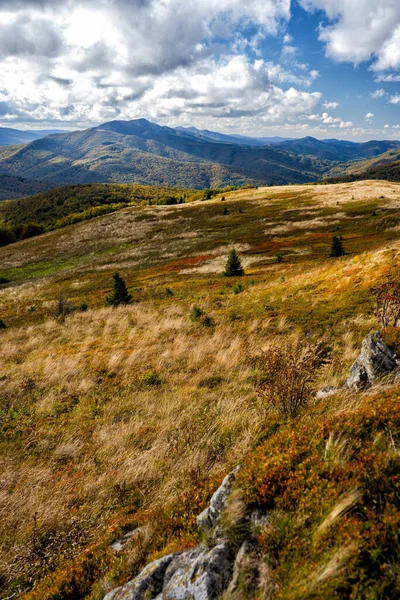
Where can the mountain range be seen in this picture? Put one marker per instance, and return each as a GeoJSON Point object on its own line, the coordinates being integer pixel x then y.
{"type": "Point", "coordinates": [10, 136]}
{"type": "Point", "coordinates": [144, 152]}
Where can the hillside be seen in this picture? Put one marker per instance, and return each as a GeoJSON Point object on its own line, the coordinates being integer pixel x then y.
{"type": "Point", "coordinates": [142, 152]}
{"type": "Point", "coordinates": [15, 187]}
{"type": "Point", "coordinates": [114, 419]}
{"type": "Point", "coordinates": [74, 202]}
{"type": "Point", "coordinates": [9, 136]}
{"type": "Point", "coordinates": [386, 169]}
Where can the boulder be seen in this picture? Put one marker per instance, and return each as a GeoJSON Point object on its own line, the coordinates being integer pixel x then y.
{"type": "Point", "coordinates": [375, 360]}
{"type": "Point", "coordinates": [199, 574]}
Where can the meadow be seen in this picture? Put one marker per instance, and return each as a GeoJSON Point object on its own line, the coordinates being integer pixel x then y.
{"type": "Point", "coordinates": [117, 417]}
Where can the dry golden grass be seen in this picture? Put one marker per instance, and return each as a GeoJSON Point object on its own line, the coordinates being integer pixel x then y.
{"type": "Point", "coordinates": [136, 404]}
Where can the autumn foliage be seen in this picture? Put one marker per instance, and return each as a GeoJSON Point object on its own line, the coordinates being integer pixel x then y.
{"type": "Point", "coordinates": [387, 297]}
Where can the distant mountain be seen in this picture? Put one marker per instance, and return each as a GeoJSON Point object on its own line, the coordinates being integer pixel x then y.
{"type": "Point", "coordinates": [15, 187]}
{"type": "Point", "coordinates": [144, 152]}
{"type": "Point", "coordinates": [337, 150]}
{"type": "Point", "coordinates": [242, 140]}
{"type": "Point", "coordinates": [386, 171]}
{"type": "Point", "coordinates": [15, 136]}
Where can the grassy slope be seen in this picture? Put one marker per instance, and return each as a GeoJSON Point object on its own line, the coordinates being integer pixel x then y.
{"type": "Point", "coordinates": [111, 417]}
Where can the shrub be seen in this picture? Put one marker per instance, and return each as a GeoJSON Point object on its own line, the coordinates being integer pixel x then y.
{"type": "Point", "coordinates": [387, 298]}
{"type": "Point", "coordinates": [225, 211]}
{"type": "Point", "coordinates": [2, 324]}
{"type": "Point", "coordinates": [119, 293]}
{"type": "Point", "coordinates": [233, 267]}
{"type": "Point", "coordinates": [196, 313]}
{"type": "Point", "coordinates": [337, 248]}
{"type": "Point", "coordinates": [4, 280]}
{"type": "Point", "coordinates": [6, 236]}
{"type": "Point", "coordinates": [279, 257]}
{"type": "Point", "coordinates": [237, 288]}
{"type": "Point", "coordinates": [31, 230]}
{"type": "Point", "coordinates": [391, 336]}
{"type": "Point", "coordinates": [83, 306]}
{"type": "Point", "coordinates": [150, 379]}
{"type": "Point", "coordinates": [289, 374]}
{"type": "Point", "coordinates": [63, 307]}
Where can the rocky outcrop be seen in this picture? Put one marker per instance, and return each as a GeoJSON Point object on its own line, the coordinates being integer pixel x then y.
{"type": "Point", "coordinates": [146, 585]}
{"type": "Point", "coordinates": [375, 360]}
{"type": "Point", "coordinates": [202, 573]}
{"type": "Point", "coordinates": [211, 515]}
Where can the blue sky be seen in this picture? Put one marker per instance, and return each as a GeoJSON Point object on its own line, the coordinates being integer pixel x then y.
{"type": "Point", "coordinates": [327, 68]}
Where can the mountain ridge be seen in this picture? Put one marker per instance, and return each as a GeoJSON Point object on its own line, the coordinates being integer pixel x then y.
{"type": "Point", "coordinates": [139, 151]}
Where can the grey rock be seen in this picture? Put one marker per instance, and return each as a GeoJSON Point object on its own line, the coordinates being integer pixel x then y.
{"type": "Point", "coordinates": [375, 360]}
{"type": "Point", "coordinates": [119, 545]}
{"type": "Point", "coordinates": [200, 574]}
{"type": "Point", "coordinates": [211, 515]}
{"type": "Point", "coordinates": [327, 391]}
{"type": "Point", "coordinates": [146, 585]}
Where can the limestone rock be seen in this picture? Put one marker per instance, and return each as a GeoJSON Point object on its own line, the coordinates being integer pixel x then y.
{"type": "Point", "coordinates": [200, 574]}
{"type": "Point", "coordinates": [146, 585]}
{"type": "Point", "coordinates": [375, 360]}
{"type": "Point", "coordinates": [210, 516]}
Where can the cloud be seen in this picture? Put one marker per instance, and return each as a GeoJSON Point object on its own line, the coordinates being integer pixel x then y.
{"type": "Point", "coordinates": [388, 78]}
{"type": "Point", "coordinates": [378, 94]}
{"type": "Point", "coordinates": [32, 38]}
{"type": "Point", "coordinates": [330, 105]}
{"type": "Point", "coordinates": [84, 62]}
{"type": "Point", "coordinates": [360, 30]}
{"type": "Point", "coordinates": [395, 99]}
{"type": "Point", "coordinates": [369, 117]}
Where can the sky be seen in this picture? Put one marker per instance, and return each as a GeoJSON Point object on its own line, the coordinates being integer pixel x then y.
{"type": "Point", "coordinates": [325, 68]}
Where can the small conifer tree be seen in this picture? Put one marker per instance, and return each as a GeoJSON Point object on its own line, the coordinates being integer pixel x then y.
{"type": "Point", "coordinates": [225, 211]}
{"type": "Point", "coordinates": [119, 293]}
{"type": "Point", "coordinates": [233, 267]}
{"type": "Point", "coordinates": [337, 248]}
{"type": "Point", "coordinates": [2, 324]}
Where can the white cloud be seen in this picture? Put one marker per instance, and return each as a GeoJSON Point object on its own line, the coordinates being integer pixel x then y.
{"type": "Point", "coordinates": [388, 78]}
{"type": "Point", "coordinates": [330, 105]}
{"type": "Point", "coordinates": [369, 117]}
{"type": "Point", "coordinates": [395, 99]}
{"type": "Point", "coordinates": [346, 124]}
{"type": "Point", "coordinates": [287, 38]}
{"type": "Point", "coordinates": [86, 62]}
{"type": "Point", "coordinates": [360, 30]}
{"type": "Point", "coordinates": [387, 126]}
{"type": "Point", "coordinates": [378, 94]}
